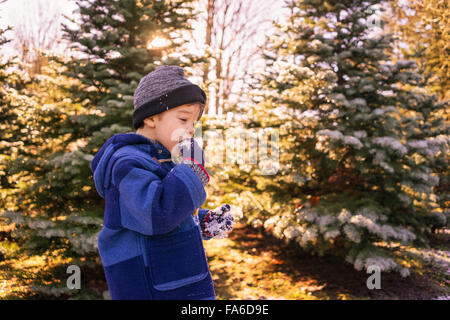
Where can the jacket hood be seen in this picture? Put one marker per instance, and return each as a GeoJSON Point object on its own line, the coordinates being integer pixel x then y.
{"type": "Point", "coordinates": [101, 165]}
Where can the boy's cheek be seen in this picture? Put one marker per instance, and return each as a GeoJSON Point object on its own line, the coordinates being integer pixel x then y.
{"type": "Point", "coordinates": [178, 135]}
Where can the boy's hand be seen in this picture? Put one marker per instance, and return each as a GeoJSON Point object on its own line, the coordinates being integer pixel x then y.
{"type": "Point", "coordinates": [219, 222]}
{"type": "Point", "coordinates": [189, 152]}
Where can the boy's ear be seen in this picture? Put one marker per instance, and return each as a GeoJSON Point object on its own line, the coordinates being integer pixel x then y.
{"type": "Point", "coordinates": [150, 121]}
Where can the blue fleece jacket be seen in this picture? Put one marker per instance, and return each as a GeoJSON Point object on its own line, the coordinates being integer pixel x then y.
{"type": "Point", "coordinates": [151, 244]}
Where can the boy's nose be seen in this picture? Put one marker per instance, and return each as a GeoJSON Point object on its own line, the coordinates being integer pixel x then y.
{"type": "Point", "coordinates": [191, 131]}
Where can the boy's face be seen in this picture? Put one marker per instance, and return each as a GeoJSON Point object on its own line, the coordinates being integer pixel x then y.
{"type": "Point", "coordinates": [174, 125]}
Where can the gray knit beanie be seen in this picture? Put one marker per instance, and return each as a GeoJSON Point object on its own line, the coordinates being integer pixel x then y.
{"type": "Point", "coordinates": [163, 89]}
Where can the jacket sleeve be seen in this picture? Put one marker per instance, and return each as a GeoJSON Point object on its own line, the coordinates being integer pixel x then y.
{"type": "Point", "coordinates": [150, 205]}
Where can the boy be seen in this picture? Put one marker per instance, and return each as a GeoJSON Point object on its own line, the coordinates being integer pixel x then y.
{"type": "Point", "coordinates": [153, 185]}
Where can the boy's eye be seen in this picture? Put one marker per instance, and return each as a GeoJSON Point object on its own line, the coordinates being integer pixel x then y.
{"type": "Point", "coordinates": [183, 120]}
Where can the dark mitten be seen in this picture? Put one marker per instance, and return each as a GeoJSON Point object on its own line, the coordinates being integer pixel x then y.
{"type": "Point", "coordinates": [191, 154]}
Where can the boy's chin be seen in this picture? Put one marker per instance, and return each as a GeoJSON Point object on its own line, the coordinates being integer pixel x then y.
{"type": "Point", "coordinates": [170, 146]}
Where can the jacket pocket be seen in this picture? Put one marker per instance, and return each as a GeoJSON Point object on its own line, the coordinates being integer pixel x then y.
{"type": "Point", "coordinates": [176, 260]}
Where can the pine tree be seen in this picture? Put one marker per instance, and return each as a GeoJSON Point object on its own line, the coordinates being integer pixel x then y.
{"type": "Point", "coordinates": [6, 118]}
{"type": "Point", "coordinates": [41, 219]}
{"type": "Point", "coordinates": [18, 121]}
{"type": "Point", "coordinates": [424, 27]}
{"type": "Point", "coordinates": [354, 179]}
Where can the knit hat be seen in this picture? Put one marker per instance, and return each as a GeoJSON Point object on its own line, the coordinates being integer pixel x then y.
{"type": "Point", "coordinates": [163, 89]}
